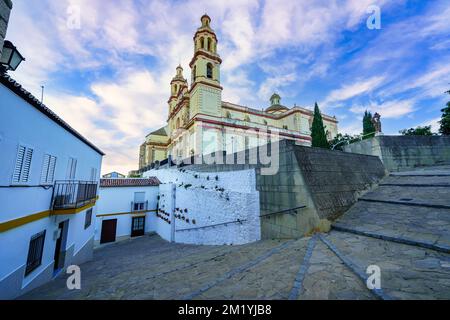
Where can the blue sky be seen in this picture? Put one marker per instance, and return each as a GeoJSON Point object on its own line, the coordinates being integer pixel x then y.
{"type": "Point", "coordinates": [110, 77]}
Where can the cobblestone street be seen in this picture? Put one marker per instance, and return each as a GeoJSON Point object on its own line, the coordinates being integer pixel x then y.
{"type": "Point", "coordinates": [402, 226]}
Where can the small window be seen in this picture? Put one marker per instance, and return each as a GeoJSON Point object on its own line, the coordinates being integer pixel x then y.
{"type": "Point", "coordinates": [209, 71]}
{"type": "Point", "coordinates": [48, 169]}
{"type": "Point", "coordinates": [21, 172]}
{"type": "Point", "coordinates": [88, 219]}
{"type": "Point", "coordinates": [139, 201]}
{"type": "Point", "coordinates": [35, 251]}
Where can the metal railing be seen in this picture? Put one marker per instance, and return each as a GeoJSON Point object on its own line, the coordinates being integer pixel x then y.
{"type": "Point", "coordinates": [290, 210]}
{"type": "Point", "coordinates": [139, 206]}
{"type": "Point", "coordinates": [73, 194]}
{"type": "Point", "coordinates": [355, 139]}
{"type": "Point", "coordinates": [213, 225]}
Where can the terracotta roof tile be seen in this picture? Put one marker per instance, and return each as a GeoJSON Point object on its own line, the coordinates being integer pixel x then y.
{"type": "Point", "coordinates": [129, 182]}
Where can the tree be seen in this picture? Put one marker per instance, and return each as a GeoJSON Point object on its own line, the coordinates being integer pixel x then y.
{"type": "Point", "coordinates": [445, 119]}
{"type": "Point", "coordinates": [419, 131]}
{"type": "Point", "coordinates": [318, 134]}
{"type": "Point", "coordinates": [368, 127]}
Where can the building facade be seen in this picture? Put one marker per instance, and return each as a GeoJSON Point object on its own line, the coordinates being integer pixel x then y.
{"type": "Point", "coordinates": [199, 122]}
{"type": "Point", "coordinates": [126, 208]}
{"type": "Point", "coordinates": [48, 190]}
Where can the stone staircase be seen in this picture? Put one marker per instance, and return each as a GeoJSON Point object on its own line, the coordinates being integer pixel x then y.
{"type": "Point", "coordinates": [402, 226]}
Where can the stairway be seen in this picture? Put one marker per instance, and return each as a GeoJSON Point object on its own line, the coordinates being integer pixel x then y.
{"type": "Point", "coordinates": [403, 226]}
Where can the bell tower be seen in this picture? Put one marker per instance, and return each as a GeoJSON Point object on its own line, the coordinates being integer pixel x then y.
{"type": "Point", "coordinates": [206, 92]}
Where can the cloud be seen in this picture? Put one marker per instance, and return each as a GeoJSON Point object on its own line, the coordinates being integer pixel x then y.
{"type": "Point", "coordinates": [110, 78]}
{"type": "Point", "coordinates": [352, 90]}
{"type": "Point", "coordinates": [389, 109]}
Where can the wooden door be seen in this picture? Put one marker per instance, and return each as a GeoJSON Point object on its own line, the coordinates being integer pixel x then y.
{"type": "Point", "coordinates": [108, 231]}
{"type": "Point", "coordinates": [137, 226]}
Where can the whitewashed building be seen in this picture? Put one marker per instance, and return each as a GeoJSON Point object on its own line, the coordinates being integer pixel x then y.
{"type": "Point", "coordinates": [49, 175]}
{"type": "Point", "coordinates": [126, 208]}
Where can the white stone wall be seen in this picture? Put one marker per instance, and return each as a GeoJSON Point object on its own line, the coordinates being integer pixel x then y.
{"type": "Point", "coordinates": [211, 199]}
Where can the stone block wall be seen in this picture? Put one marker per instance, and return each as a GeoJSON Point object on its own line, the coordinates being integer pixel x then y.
{"type": "Point", "coordinates": [324, 183]}
{"type": "Point", "coordinates": [336, 179]}
{"type": "Point", "coordinates": [5, 10]}
{"type": "Point", "coordinates": [400, 153]}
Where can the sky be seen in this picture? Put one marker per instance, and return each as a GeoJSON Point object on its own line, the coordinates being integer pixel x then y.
{"type": "Point", "coordinates": [106, 65]}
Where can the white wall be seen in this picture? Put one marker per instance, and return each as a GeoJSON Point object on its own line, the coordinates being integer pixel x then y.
{"type": "Point", "coordinates": [231, 197]}
{"type": "Point", "coordinates": [21, 123]}
{"type": "Point", "coordinates": [118, 200]}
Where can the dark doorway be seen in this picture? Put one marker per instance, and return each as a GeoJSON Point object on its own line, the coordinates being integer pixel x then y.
{"type": "Point", "coordinates": [137, 226]}
{"type": "Point", "coordinates": [60, 247]}
{"type": "Point", "coordinates": [108, 231]}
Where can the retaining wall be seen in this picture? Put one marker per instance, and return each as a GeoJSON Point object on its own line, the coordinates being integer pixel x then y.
{"type": "Point", "coordinates": [400, 153]}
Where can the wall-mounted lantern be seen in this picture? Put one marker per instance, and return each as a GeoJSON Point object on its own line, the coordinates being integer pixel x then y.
{"type": "Point", "coordinates": [11, 57]}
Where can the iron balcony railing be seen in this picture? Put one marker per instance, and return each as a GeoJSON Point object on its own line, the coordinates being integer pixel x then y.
{"type": "Point", "coordinates": [73, 194]}
{"type": "Point", "coordinates": [139, 206]}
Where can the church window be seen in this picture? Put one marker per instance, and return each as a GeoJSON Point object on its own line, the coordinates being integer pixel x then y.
{"type": "Point", "coordinates": [202, 43]}
{"type": "Point", "coordinates": [209, 71]}
{"type": "Point", "coordinates": [209, 44]}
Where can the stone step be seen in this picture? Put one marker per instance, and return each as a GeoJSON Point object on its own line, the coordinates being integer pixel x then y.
{"type": "Point", "coordinates": [421, 224]}
{"type": "Point", "coordinates": [407, 272]}
{"type": "Point", "coordinates": [253, 282]}
{"type": "Point", "coordinates": [434, 197]}
{"type": "Point", "coordinates": [437, 181]}
{"type": "Point", "coordinates": [327, 277]}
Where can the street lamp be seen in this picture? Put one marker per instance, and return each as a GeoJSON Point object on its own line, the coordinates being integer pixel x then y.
{"type": "Point", "coordinates": [11, 57]}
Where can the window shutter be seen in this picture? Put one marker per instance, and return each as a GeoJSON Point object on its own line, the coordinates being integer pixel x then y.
{"type": "Point", "coordinates": [48, 169]}
{"type": "Point", "coordinates": [26, 165]}
{"type": "Point", "coordinates": [44, 173]}
{"type": "Point", "coordinates": [19, 163]}
{"type": "Point", "coordinates": [51, 169]}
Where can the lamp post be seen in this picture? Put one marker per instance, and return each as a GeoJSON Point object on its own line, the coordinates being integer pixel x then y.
{"type": "Point", "coordinates": [11, 57]}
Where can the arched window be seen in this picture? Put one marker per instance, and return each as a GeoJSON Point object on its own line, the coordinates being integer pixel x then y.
{"type": "Point", "coordinates": [194, 73]}
{"type": "Point", "coordinates": [176, 89]}
{"type": "Point", "coordinates": [202, 42]}
{"type": "Point", "coordinates": [209, 44]}
{"type": "Point", "coordinates": [209, 71]}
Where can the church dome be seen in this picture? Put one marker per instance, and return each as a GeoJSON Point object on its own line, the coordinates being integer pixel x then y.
{"type": "Point", "coordinates": [275, 105]}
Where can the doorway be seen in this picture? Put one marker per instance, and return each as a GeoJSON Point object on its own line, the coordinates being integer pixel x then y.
{"type": "Point", "coordinates": [60, 247]}
{"type": "Point", "coordinates": [137, 226]}
{"type": "Point", "coordinates": [108, 231]}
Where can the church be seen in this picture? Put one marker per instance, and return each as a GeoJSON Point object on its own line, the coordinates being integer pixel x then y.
{"type": "Point", "coordinates": [199, 122]}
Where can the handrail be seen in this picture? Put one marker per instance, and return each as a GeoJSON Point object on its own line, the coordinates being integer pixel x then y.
{"type": "Point", "coordinates": [213, 225]}
{"type": "Point", "coordinates": [358, 138]}
{"type": "Point", "coordinates": [282, 211]}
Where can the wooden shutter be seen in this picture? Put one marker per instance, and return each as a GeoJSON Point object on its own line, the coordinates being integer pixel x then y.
{"type": "Point", "coordinates": [23, 164]}
{"type": "Point", "coordinates": [48, 169]}
{"type": "Point", "coordinates": [19, 163]}
{"type": "Point", "coordinates": [51, 169]}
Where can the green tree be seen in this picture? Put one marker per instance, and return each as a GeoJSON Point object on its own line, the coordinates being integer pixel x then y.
{"type": "Point", "coordinates": [318, 134]}
{"type": "Point", "coordinates": [445, 119]}
{"type": "Point", "coordinates": [419, 131]}
{"type": "Point", "coordinates": [368, 127]}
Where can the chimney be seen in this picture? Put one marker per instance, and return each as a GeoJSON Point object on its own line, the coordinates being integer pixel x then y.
{"type": "Point", "coordinates": [5, 10]}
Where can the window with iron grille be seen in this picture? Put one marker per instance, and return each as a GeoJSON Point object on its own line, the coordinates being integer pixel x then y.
{"type": "Point", "coordinates": [48, 169]}
{"type": "Point", "coordinates": [88, 219]}
{"type": "Point", "coordinates": [21, 172]}
{"type": "Point", "coordinates": [35, 251]}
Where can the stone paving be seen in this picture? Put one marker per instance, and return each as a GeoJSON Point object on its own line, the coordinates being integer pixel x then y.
{"type": "Point", "coordinates": [325, 266]}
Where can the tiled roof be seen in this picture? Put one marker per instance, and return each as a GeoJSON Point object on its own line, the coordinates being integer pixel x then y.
{"type": "Point", "coordinates": [17, 88]}
{"type": "Point", "coordinates": [129, 182]}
